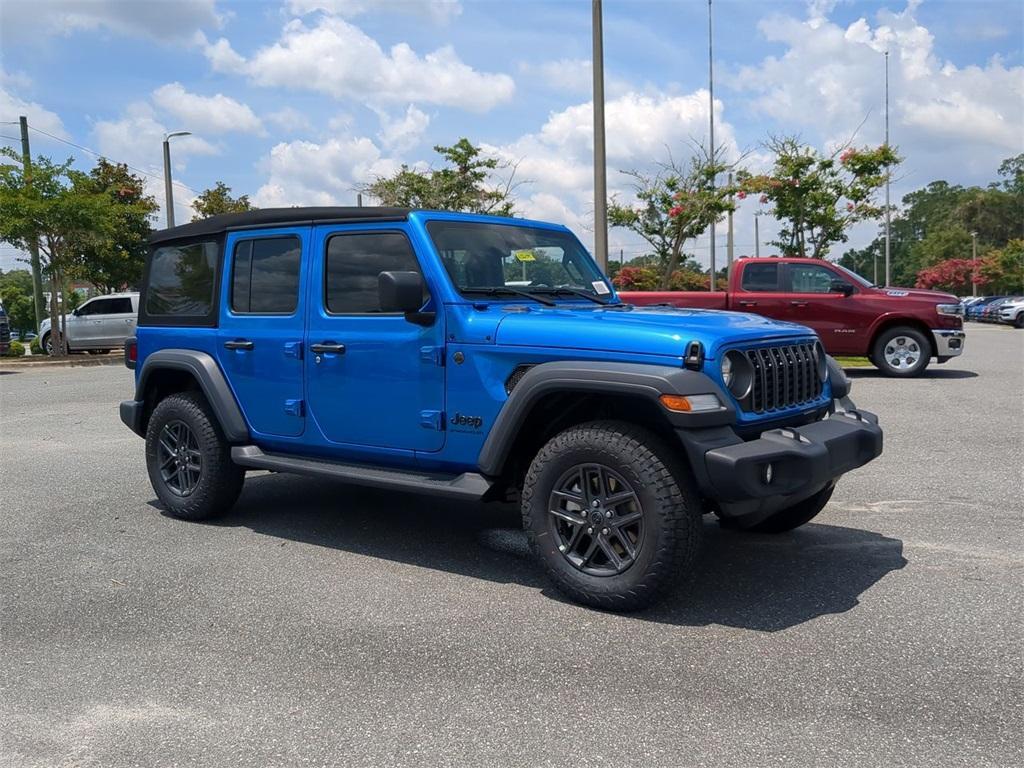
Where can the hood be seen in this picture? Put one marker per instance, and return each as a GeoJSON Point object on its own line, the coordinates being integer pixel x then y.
{"type": "Point", "coordinates": [920, 293]}
{"type": "Point", "coordinates": [638, 330]}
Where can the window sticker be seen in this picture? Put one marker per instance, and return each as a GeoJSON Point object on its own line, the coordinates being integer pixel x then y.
{"type": "Point", "coordinates": [601, 287]}
{"type": "Point", "coordinates": [525, 255]}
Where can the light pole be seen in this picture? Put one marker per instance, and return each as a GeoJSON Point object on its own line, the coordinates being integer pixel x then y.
{"type": "Point", "coordinates": [974, 263]}
{"type": "Point", "coordinates": [168, 194]}
{"type": "Point", "coordinates": [600, 163]}
{"type": "Point", "coordinates": [888, 280]}
{"type": "Point", "coordinates": [757, 236]}
{"type": "Point", "coordinates": [711, 126]}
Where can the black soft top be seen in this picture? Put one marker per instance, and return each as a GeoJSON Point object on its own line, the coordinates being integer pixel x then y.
{"type": "Point", "coordinates": [265, 217]}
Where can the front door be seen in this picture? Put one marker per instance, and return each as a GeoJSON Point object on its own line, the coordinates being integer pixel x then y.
{"type": "Point", "coordinates": [374, 379]}
{"type": "Point", "coordinates": [840, 321]}
{"type": "Point", "coordinates": [262, 318]}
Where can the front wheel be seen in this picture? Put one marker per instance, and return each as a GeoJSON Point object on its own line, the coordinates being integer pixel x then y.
{"type": "Point", "coordinates": [189, 460]}
{"type": "Point", "coordinates": [613, 518]}
{"type": "Point", "coordinates": [799, 514]}
{"type": "Point", "coordinates": [1018, 321]}
{"type": "Point", "coordinates": [901, 352]}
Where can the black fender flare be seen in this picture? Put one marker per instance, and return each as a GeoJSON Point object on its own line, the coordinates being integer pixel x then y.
{"type": "Point", "coordinates": [594, 377]}
{"type": "Point", "coordinates": [204, 369]}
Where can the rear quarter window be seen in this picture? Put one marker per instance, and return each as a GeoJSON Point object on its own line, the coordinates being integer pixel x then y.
{"type": "Point", "coordinates": [181, 284]}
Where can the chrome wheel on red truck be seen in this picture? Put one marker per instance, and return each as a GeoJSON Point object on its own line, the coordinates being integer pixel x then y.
{"type": "Point", "coordinates": [902, 352]}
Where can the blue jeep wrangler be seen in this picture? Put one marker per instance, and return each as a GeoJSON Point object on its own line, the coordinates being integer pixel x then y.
{"type": "Point", "coordinates": [477, 357]}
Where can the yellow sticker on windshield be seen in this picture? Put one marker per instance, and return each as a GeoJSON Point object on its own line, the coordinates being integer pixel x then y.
{"type": "Point", "coordinates": [524, 255]}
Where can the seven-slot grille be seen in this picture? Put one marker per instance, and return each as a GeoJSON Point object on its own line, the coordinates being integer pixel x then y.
{"type": "Point", "coordinates": [784, 376]}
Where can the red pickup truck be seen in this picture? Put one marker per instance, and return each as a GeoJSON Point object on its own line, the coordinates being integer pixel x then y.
{"type": "Point", "coordinates": [898, 329]}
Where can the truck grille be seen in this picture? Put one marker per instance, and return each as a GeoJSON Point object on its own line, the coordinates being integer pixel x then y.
{"type": "Point", "coordinates": [784, 377]}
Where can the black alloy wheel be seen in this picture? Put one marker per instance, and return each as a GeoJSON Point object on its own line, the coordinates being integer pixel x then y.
{"type": "Point", "coordinates": [180, 460]}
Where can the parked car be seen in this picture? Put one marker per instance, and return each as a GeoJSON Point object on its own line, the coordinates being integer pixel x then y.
{"type": "Point", "coordinates": [977, 308]}
{"type": "Point", "coordinates": [5, 331]}
{"type": "Point", "coordinates": [899, 329]}
{"type": "Point", "coordinates": [101, 324]}
{"type": "Point", "coordinates": [386, 347]}
{"type": "Point", "coordinates": [1012, 312]}
{"type": "Point", "coordinates": [990, 312]}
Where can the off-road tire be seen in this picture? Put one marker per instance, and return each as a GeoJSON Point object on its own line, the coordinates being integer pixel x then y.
{"type": "Point", "coordinates": [672, 526]}
{"type": "Point", "coordinates": [799, 514]}
{"type": "Point", "coordinates": [878, 356]}
{"type": "Point", "coordinates": [220, 479]}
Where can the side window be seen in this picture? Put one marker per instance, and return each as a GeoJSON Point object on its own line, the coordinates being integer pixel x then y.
{"type": "Point", "coordinates": [265, 276]}
{"type": "Point", "coordinates": [760, 277]}
{"type": "Point", "coordinates": [181, 281]}
{"type": "Point", "coordinates": [353, 264]}
{"type": "Point", "coordinates": [94, 307]}
{"type": "Point", "coordinates": [120, 306]}
{"type": "Point", "coordinates": [810, 278]}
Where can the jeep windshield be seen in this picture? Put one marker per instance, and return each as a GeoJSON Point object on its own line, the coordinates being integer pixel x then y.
{"type": "Point", "coordinates": [510, 260]}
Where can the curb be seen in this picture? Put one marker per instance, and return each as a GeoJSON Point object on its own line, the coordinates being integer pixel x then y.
{"type": "Point", "coordinates": [27, 364]}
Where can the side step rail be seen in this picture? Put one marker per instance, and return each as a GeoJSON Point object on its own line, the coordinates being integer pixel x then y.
{"type": "Point", "coordinates": [467, 486]}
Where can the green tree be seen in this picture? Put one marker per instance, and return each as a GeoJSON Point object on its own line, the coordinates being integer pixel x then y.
{"type": "Point", "coordinates": [16, 296]}
{"type": "Point", "coordinates": [115, 262]}
{"type": "Point", "coordinates": [674, 205]}
{"type": "Point", "coordinates": [58, 208]}
{"type": "Point", "coordinates": [468, 181]}
{"type": "Point", "coordinates": [217, 200]}
{"type": "Point", "coordinates": [819, 197]}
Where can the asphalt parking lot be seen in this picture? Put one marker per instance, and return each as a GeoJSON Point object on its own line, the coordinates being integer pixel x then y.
{"type": "Point", "coordinates": [322, 625]}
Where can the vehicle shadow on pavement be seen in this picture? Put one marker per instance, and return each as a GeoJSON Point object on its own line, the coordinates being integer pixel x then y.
{"type": "Point", "coordinates": [759, 582]}
{"type": "Point", "coordinates": [929, 373]}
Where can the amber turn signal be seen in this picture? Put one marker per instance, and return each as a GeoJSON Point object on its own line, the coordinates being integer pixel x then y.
{"type": "Point", "coordinates": [690, 403]}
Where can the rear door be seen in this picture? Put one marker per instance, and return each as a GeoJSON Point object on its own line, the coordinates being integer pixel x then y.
{"type": "Point", "coordinates": [760, 290]}
{"type": "Point", "coordinates": [261, 328]}
{"type": "Point", "coordinates": [375, 380]}
{"type": "Point", "coordinates": [117, 322]}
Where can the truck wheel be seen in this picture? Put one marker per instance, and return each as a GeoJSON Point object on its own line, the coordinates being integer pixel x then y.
{"type": "Point", "coordinates": [189, 460]}
{"type": "Point", "coordinates": [793, 517]}
{"type": "Point", "coordinates": [903, 352]}
{"type": "Point", "coordinates": [612, 516]}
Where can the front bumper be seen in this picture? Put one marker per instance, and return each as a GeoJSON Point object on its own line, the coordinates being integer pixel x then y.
{"type": "Point", "coordinates": [949, 343]}
{"type": "Point", "coordinates": [731, 472]}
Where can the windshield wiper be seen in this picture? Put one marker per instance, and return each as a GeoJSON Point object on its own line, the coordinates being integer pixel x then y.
{"type": "Point", "coordinates": [574, 292]}
{"type": "Point", "coordinates": [504, 289]}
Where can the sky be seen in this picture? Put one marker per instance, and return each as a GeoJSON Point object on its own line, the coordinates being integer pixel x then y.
{"type": "Point", "coordinates": [299, 102]}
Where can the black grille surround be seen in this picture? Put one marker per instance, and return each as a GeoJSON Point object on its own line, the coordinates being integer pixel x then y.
{"type": "Point", "coordinates": [785, 376]}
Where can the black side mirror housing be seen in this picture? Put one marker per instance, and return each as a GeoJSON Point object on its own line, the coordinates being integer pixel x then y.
{"type": "Point", "coordinates": [403, 292]}
{"type": "Point", "coordinates": [841, 286]}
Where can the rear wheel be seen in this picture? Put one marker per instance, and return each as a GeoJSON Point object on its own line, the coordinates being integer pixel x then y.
{"type": "Point", "coordinates": [611, 515]}
{"type": "Point", "coordinates": [799, 514]}
{"type": "Point", "coordinates": [189, 460]}
{"type": "Point", "coordinates": [902, 352]}
{"type": "Point", "coordinates": [1018, 321]}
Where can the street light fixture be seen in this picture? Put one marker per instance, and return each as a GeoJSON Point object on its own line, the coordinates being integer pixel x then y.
{"type": "Point", "coordinates": [168, 194]}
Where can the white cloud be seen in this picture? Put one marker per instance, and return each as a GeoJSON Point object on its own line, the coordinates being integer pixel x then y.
{"type": "Point", "coordinates": [327, 173]}
{"type": "Point", "coordinates": [403, 133]}
{"type": "Point", "coordinates": [569, 75]}
{"type": "Point", "coordinates": [206, 114]}
{"type": "Point", "coordinates": [946, 119]}
{"type": "Point", "coordinates": [222, 57]}
{"type": "Point", "coordinates": [157, 20]}
{"type": "Point", "coordinates": [440, 11]}
{"type": "Point", "coordinates": [13, 106]}
{"type": "Point", "coordinates": [289, 120]}
{"type": "Point", "coordinates": [339, 59]}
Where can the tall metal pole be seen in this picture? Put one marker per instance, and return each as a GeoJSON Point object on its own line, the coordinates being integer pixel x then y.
{"type": "Point", "coordinates": [729, 240]}
{"type": "Point", "coordinates": [38, 304]}
{"type": "Point", "coordinates": [757, 236]}
{"type": "Point", "coordinates": [711, 112]}
{"type": "Point", "coordinates": [974, 263]}
{"type": "Point", "coordinates": [600, 163]}
{"type": "Point", "coordinates": [168, 193]}
{"type": "Point", "coordinates": [888, 276]}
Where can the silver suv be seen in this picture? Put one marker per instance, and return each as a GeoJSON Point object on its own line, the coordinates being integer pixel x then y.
{"type": "Point", "coordinates": [99, 325]}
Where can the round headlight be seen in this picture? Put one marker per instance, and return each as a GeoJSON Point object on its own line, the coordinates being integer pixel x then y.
{"type": "Point", "coordinates": [820, 361]}
{"type": "Point", "coordinates": [737, 373]}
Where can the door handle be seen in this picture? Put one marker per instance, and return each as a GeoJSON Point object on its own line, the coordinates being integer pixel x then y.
{"type": "Point", "coordinates": [798, 303]}
{"type": "Point", "coordinates": [327, 347]}
{"type": "Point", "coordinates": [238, 344]}
{"type": "Point", "coordinates": [748, 303]}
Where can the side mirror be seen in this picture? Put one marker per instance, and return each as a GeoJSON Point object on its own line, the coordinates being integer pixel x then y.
{"type": "Point", "coordinates": [403, 292]}
{"type": "Point", "coordinates": [840, 286]}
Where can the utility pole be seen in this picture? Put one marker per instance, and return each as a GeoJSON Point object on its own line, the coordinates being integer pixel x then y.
{"type": "Point", "coordinates": [888, 280]}
{"type": "Point", "coordinates": [711, 112]}
{"type": "Point", "coordinates": [168, 193]}
{"type": "Point", "coordinates": [359, 199]}
{"type": "Point", "coordinates": [600, 163]}
{"type": "Point", "coordinates": [757, 236]}
{"type": "Point", "coordinates": [33, 245]}
{"type": "Point", "coordinates": [974, 263]}
{"type": "Point", "coordinates": [729, 240]}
